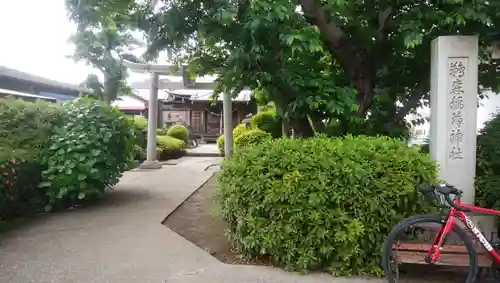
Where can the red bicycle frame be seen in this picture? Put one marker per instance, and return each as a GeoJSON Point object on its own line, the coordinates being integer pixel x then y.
{"type": "Point", "coordinates": [451, 221]}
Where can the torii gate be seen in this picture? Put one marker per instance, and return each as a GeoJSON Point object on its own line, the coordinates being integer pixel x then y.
{"type": "Point", "coordinates": [157, 70]}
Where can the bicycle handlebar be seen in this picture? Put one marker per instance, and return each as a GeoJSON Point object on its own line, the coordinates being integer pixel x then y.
{"type": "Point", "coordinates": [446, 190]}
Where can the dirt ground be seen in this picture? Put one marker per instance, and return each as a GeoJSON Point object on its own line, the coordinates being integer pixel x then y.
{"type": "Point", "coordinates": [195, 220]}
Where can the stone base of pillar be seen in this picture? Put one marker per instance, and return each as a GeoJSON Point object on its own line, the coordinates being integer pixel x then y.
{"type": "Point", "coordinates": [150, 165]}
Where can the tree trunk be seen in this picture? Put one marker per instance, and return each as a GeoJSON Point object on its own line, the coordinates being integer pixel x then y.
{"type": "Point", "coordinates": [354, 59]}
{"type": "Point", "coordinates": [318, 124]}
{"type": "Point", "coordinates": [285, 128]}
{"type": "Point", "coordinates": [302, 128]}
{"type": "Point", "coordinates": [106, 94]}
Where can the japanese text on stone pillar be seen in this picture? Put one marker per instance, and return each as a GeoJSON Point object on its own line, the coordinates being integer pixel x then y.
{"type": "Point", "coordinates": [456, 73]}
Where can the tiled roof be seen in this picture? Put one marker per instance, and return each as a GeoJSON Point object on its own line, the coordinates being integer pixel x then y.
{"type": "Point", "coordinates": [194, 94]}
{"type": "Point", "coordinates": [15, 74]}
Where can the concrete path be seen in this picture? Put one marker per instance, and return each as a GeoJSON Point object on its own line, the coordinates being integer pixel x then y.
{"type": "Point", "coordinates": [210, 149]}
{"type": "Point", "coordinates": [122, 240]}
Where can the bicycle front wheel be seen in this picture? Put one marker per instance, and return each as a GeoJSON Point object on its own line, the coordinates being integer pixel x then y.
{"type": "Point", "coordinates": [407, 246]}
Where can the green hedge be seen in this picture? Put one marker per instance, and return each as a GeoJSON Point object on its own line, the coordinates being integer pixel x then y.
{"type": "Point", "coordinates": [237, 131]}
{"type": "Point", "coordinates": [240, 129]}
{"type": "Point", "coordinates": [309, 204]}
{"type": "Point", "coordinates": [140, 128]}
{"type": "Point", "coordinates": [220, 144]}
{"type": "Point", "coordinates": [140, 122]}
{"type": "Point", "coordinates": [179, 132]}
{"type": "Point", "coordinates": [19, 192]}
{"type": "Point", "coordinates": [488, 164]}
{"type": "Point", "coordinates": [252, 138]}
{"type": "Point", "coordinates": [25, 128]}
{"type": "Point", "coordinates": [169, 147]}
{"type": "Point", "coordinates": [267, 121]}
{"type": "Point", "coordinates": [161, 132]}
{"type": "Point", "coordinates": [58, 155]}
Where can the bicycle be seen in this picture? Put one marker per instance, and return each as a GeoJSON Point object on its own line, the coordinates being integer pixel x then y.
{"type": "Point", "coordinates": [446, 224]}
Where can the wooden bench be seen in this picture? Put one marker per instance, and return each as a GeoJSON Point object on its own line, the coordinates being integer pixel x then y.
{"type": "Point", "coordinates": [451, 255]}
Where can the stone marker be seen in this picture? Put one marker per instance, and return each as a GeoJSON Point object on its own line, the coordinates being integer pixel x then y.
{"type": "Point", "coordinates": [454, 71]}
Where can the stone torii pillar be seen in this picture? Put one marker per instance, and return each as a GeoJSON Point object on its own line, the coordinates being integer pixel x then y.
{"type": "Point", "coordinates": [151, 161]}
{"type": "Point", "coordinates": [156, 70]}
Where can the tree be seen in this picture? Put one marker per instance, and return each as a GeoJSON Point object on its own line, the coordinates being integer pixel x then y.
{"type": "Point", "coordinates": [102, 39]}
{"type": "Point", "coordinates": [363, 65]}
{"type": "Point", "coordinates": [96, 87]}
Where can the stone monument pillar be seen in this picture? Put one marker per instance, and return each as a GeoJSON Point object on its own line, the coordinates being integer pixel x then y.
{"type": "Point", "coordinates": [454, 71]}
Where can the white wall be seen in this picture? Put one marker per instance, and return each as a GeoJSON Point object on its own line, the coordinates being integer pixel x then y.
{"type": "Point", "coordinates": [126, 101]}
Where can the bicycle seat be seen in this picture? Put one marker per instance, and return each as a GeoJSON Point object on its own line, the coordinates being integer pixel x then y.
{"type": "Point", "coordinates": [446, 189]}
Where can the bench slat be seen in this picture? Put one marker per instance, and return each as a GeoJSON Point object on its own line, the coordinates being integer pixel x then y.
{"type": "Point", "coordinates": [426, 247]}
{"type": "Point", "coordinates": [444, 259]}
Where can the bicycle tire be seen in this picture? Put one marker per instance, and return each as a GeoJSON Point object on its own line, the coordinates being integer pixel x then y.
{"type": "Point", "coordinates": [387, 247]}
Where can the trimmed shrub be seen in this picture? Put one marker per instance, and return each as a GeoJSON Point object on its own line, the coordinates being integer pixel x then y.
{"type": "Point", "coordinates": [139, 153]}
{"type": "Point", "coordinates": [169, 147]}
{"type": "Point", "coordinates": [179, 132]}
{"type": "Point", "coordinates": [268, 122]}
{"type": "Point", "coordinates": [252, 138]}
{"type": "Point", "coordinates": [140, 128]}
{"type": "Point", "coordinates": [239, 130]}
{"type": "Point", "coordinates": [161, 132]}
{"type": "Point", "coordinates": [140, 122]}
{"type": "Point", "coordinates": [220, 145]}
{"type": "Point", "coordinates": [488, 164]}
{"type": "Point", "coordinates": [19, 192]}
{"type": "Point", "coordinates": [88, 152]}
{"type": "Point", "coordinates": [309, 204]}
{"type": "Point", "coordinates": [25, 128]}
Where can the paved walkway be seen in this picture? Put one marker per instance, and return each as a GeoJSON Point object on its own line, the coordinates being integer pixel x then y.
{"type": "Point", "coordinates": [122, 240]}
{"type": "Point", "coordinates": [209, 149]}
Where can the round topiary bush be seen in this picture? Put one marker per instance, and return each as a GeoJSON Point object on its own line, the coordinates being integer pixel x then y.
{"type": "Point", "coordinates": [309, 204]}
{"type": "Point", "coordinates": [488, 164]}
{"type": "Point", "coordinates": [251, 138]}
{"type": "Point", "coordinates": [87, 152]}
{"type": "Point", "coordinates": [140, 122]}
{"type": "Point", "coordinates": [178, 132]}
{"type": "Point", "coordinates": [268, 122]}
{"type": "Point", "coordinates": [170, 147]}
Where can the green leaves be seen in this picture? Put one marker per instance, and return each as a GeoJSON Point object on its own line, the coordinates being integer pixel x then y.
{"type": "Point", "coordinates": [88, 151]}
{"type": "Point", "coordinates": [309, 204]}
{"type": "Point", "coordinates": [102, 39]}
{"type": "Point", "coordinates": [487, 165]}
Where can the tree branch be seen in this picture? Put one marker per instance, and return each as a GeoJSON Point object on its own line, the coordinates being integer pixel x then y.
{"type": "Point", "coordinates": [384, 17]}
{"type": "Point", "coordinates": [411, 104]}
{"type": "Point", "coordinates": [337, 42]}
{"type": "Point", "coordinates": [352, 59]}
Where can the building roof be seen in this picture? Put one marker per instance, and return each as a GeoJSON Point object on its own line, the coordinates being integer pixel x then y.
{"type": "Point", "coordinates": [193, 94]}
{"type": "Point", "coordinates": [6, 92]}
{"type": "Point", "coordinates": [129, 102]}
{"type": "Point", "coordinates": [15, 74]}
